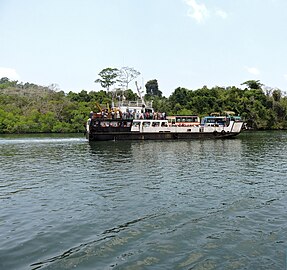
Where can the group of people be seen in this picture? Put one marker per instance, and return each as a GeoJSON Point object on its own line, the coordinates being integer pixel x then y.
{"type": "Point", "coordinates": [117, 114]}
{"type": "Point", "coordinates": [149, 115]}
{"type": "Point", "coordinates": [106, 114]}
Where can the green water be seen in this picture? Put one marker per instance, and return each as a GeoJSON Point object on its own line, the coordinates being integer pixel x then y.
{"type": "Point", "coordinates": [203, 204]}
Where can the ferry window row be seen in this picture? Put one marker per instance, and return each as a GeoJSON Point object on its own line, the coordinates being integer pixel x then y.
{"type": "Point", "coordinates": [148, 124]}
{"type": "Point", "coordinates": [183, 119]}
{"type": "Point", "coordinates": [112, 124]}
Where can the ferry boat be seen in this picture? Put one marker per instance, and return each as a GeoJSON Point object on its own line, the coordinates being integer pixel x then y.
{"type": "Point", "coordinates": [138, 121]}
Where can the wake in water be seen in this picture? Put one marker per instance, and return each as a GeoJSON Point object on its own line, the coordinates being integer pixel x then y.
{"type": "Point", "coordinates": [40, 140]}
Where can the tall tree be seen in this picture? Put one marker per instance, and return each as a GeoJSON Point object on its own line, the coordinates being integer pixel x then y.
{"type": "Point", "coordinates": [252, 84]}
{"type": "Point", "coordinates": [126, 75]}
{"type": "Point", "coordinates": [108, 77]}
{"type": "Point", "coordinates": [152, 88]}
{"type": "Point", "coordinates": [277, 94]}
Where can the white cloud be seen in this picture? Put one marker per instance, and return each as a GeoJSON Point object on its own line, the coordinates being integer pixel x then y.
{"type": "Point", "coordinates": [221, 13]}
{"type": "Point", "coordinates": [199, 12]}
{"type": "Point", "coordinates": [10, 73]}
{"type": "Point", "coordinates": [253, 70]}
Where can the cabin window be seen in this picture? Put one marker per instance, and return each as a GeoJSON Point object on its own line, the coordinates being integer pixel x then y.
{"type": "Point", "coordinates": [146, 124]}
{"type": "Point", "coordinates": [164, 124]}
{"type": "Point", "coordinates": [155, 124]}
{"type": "Point", "coordinates": [191, 119]}
{"type": "Point", "coordinates": [115, 124]}
{"type": "Point", "coordinates": [136, 124]}
{"type": "Point", "coordinates": [125, 124]}
{"type": "Point", "coordinates": [105, 124]}
{"type": "Point", "coordinates": [215, 121]}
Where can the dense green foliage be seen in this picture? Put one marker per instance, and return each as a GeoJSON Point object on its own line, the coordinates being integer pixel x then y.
{"type": "Point", "coordinates": [258, 109]}
{"type": "Point", "coordinates": [152, 89]}
{"type": "Point", "coordinates": [30, 108]}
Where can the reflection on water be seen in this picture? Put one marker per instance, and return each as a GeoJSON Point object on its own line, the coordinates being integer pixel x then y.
{"type": "Point", "coordinates": [204, 204]}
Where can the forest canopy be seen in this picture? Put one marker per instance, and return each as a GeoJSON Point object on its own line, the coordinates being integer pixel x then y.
{"type": "Point", "coordinates": [31, 108]}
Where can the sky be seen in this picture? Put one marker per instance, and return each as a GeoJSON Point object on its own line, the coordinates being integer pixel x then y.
{"type": "Point", "coordinates": [180, 43]}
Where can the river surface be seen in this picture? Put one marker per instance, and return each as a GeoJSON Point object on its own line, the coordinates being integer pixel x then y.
{"type": "Point", "coordinates": [203, 204]}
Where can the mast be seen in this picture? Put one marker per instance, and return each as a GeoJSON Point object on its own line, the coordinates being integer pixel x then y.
{"type": "Point", "coordinates": [140, 94]}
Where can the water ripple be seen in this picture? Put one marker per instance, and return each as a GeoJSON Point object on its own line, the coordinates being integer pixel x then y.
{"type": "Point", "coordinates": [205, 204]}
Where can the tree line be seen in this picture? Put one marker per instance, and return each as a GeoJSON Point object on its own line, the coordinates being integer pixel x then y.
{"type": "Point", "coordinates": [31, 108]}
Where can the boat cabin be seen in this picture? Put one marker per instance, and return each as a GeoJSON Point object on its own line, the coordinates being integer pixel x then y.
{"type": "Point", "coordinates": [215, 121]}
{"type": "Point", "coordinates": [181, 121]}
{"type": "Point", "coordinates": [149, 125]}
